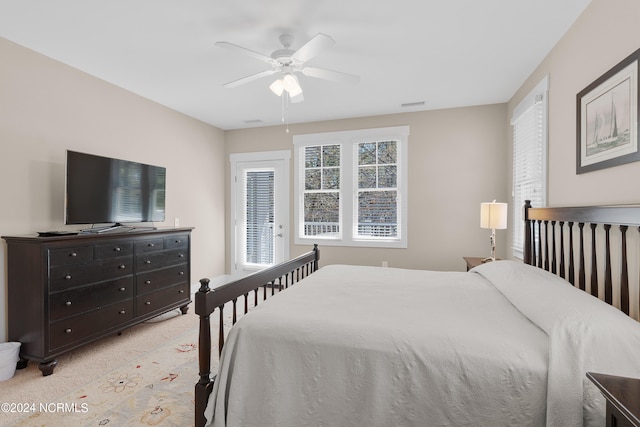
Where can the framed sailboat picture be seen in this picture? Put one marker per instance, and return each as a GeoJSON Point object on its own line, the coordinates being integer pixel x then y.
{"type": "Point", "coordinates": [607, 118]}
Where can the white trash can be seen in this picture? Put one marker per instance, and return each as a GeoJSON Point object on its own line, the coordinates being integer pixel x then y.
{"type": "Point", "coordinates": [8, 358]}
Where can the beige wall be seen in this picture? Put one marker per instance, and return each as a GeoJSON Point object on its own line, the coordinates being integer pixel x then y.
{"type": "Point", "coordinates": [47, 107]}
{"type": "Point", "coordinates": [605, 33]}
{"type": "Point", "coordinates": [457, 160]}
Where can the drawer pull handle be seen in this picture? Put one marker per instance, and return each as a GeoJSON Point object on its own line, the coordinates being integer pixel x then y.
{"type": "Point", "coordinates": [122, 267]}
{"type": "Point", "coordinates": [68, 303]}
{"type": "Point", "coordinates": [122, 289]}
{"type": "Point", "coordinates": [147, 303]}
{"type": "Point", "coordinates": [181, 256]}
{"type": "Point", "coordinates": [181, 273]}
{"type": "Point", "coordinates": [117, 249]}
{"type": "Point", "coordinates": [181, 291]}
{"type": "Point", "coordinates": [67, 331]}
{"type": "Point", "coordinates": [147, 262]}
{"type": "Point", "coordinates": [123, 312]}
{"type": "Point", "coordinates": [178, 241]}
{"type": "Point", "coordinates": [150, 245]}
{"type": "Point", "coordinates": [72, 254]}
{"type": "Point", "coordinates": [67, 277]}
{"type": "Point", "coordinates": [147, 282]}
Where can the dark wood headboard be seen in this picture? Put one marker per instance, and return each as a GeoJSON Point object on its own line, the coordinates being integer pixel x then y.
{"type": "Point", "coordinates": [556, 240]}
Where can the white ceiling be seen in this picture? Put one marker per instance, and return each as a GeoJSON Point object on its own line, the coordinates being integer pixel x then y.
{"type": "Point", "coordinates": [447, 53]}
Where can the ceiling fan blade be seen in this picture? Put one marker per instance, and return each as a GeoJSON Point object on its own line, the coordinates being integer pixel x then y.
{"type": "Point", "coordinates": [249, 78]}
{"type": "Point", "coordinates": [244, 51]}
{"type": "Point", "coordinates": [335, 76]}
{"type": "Point", "coordinates": [310, 49]}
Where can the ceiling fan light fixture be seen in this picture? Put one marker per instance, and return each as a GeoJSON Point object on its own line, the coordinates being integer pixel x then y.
{"type": "Point", "coordinates": [277, 87]}
{"type": "Point", "coordinates": [297, 98]}
{"type": "Point", "coordinates": [291, 85]}
{"type": "Point", "coordinates": [295, 91]}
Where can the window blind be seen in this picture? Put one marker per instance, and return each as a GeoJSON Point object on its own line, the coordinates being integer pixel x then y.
{"type": "Point", "coordinates": [529, 158]}
{"type": "Point", "coordinates": [259, 195]}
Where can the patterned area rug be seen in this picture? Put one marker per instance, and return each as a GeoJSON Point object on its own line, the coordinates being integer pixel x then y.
{"type": "Point", "coordinates": [154, 390]}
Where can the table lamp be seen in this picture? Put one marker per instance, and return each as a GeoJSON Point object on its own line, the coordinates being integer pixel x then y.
{"type": "Point", "coordinates": [494, 216]}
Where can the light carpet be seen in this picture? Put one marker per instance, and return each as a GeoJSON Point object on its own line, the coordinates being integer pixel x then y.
{"type": "Point", "coordinates": [145, 377]}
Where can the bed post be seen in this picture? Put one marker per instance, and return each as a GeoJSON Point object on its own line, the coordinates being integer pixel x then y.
{"type": "Point", "coordinates": [204, 385]}
{"type": "Point", "coordinates": [316, 251]}
{"type": "Point", "coordinates": [527, 233]}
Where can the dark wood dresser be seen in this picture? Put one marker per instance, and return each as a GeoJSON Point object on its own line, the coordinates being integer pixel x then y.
{"type": "Point", "coordinates": [66, 291]}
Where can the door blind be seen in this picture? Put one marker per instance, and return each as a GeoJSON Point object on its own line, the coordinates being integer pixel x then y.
{"type": "Point", "coordinates": [259, 204]}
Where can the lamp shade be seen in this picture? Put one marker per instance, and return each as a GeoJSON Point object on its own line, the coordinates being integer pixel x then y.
{"type": "Point", "coordinates": [493, 215]}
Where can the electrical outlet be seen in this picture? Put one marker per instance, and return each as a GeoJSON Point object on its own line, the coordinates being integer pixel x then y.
{"type": "Point", "coordinates": [176, 222]}
{"type": "Point", "coordinates": [385, 264]}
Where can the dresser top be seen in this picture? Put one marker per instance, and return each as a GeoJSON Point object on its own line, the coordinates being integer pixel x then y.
{"type": "Point", "coordinates": [81, 236]}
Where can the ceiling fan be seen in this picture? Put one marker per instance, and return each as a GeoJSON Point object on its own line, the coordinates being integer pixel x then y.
{"type": "Point", "coordinates": [287, 62]}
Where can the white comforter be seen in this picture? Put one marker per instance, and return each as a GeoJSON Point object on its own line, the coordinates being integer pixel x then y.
{"type": "Point", "coordinates": [367, 346]}
{"type": "Point", "coordinates": [585, 335]}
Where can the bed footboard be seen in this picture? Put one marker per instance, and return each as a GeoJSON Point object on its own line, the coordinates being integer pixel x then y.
{"type": "Point", "coordinates": [207, 300]}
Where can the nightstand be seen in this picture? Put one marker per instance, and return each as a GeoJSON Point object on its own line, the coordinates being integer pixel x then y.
{"type": "Point", "coordinates": [623, 398]}
{"type": "Point", "coordinates": [473, 261]}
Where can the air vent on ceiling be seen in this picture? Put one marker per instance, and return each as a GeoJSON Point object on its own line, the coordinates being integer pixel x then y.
{"type": "Point", "coordinates": [412, 104]}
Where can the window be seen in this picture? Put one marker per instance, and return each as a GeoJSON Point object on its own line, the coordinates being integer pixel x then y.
{"type": "Point", "coordinates": [321, 194]}
{"type": "Point", "coordinates": [377, 190]}
{"type": "Point", "coordinates": [351, 188]}
{"type": "Point", "coordinates": [529, 122]}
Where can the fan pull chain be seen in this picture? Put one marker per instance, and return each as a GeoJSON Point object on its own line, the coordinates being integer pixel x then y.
{"type": "Point", "coordinates": [282, 107]}
{"type": "Point", "coordinates": [285, 110]}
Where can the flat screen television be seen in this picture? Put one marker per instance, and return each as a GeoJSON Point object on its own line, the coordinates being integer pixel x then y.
{"type": "Point", "coordinates": [103, 190]}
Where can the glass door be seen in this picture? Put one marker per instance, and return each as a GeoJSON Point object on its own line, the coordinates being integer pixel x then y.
{"type": "Point", "coordinates": [260, 217]}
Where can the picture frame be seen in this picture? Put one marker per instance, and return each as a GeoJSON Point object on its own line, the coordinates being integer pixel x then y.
{"type": "Point", "coordinates": [607, 118]}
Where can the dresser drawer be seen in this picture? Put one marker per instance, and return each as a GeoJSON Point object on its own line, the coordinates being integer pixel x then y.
{"type": "Point", "coordinates": [114, 250]}
{"type": "Point", "coordinates": [159, 300]}
{"type": "Point", "coordinates": [67, 277]}
{"type": "Point", "coordinates": [153, 261]}
{"type": "Point", "coordinates": [70, 256]}
{"type": "Point", "coordinates": [87, 298]}
{"type": "Point", "coordinates": [177, 242]}
{"type": "Point", "coordinates": [157, 279]}
{"type": "Point", "coordinates": [73, 329]}
{"type": "Point", "coordinates": [150, 245]}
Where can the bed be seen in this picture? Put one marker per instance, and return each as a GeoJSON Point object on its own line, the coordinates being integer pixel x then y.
{"type": "Point", "coordinates": [507, 343]}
